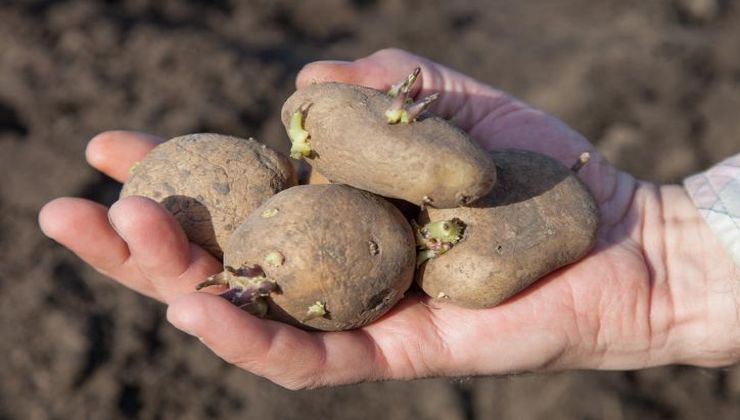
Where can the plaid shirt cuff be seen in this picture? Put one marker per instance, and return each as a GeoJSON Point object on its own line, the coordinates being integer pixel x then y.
{"type": "Point", "coordinates": [716, 193]}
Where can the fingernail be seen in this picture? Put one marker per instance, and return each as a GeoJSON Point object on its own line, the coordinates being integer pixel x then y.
{"type": "Point", "coordinates": [309, 76]}
{"type": "Point", "coordinates": [113, 225]}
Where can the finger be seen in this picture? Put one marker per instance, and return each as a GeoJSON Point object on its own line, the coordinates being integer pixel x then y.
{"type": "Point", "coordinates": [284, 354]}
{"type": "Point", "coordinates": [114, 152]}
{"type": "Point", "coordinates": [82, 226]}
{"type": "Point", "coordinates": [160, 248]}
{"type": "Point", "coordinates": [383, 68]}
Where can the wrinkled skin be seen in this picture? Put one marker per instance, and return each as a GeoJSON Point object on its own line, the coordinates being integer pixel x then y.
{"type": "Point", "coordinates": [658, 288]}
{"type": "Point", "coordinates": [537, 218]}
{"type": "Point", "coordinates": [210, 183]}
{"type": "Point", "coordinates": [348, 249]}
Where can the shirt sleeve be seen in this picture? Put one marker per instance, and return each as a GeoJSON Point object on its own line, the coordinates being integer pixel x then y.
{"type": "Point", "coordinates": [716, 193]}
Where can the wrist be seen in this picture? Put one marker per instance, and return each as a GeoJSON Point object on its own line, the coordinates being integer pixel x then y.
{"type": "Point", "coordinates": [696, 281]}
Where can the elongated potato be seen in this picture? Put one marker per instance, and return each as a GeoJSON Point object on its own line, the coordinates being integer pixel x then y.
{"type": "Point", "coordinates": [327, 257]}
{"type": "Point", "coordinates": [210, 183]}
{"type": "Point", "coordinates": [427, 161]}
{"type": "Point", "coordinates": [539, 217]}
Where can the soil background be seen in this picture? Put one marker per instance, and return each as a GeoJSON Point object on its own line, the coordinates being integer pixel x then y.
{"type": "Point", "coordinates": [655, 84]}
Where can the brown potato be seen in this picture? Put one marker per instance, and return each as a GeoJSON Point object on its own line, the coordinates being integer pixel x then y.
{"type": "Point", "coordinates": [337, 257]}
{"type": "Point", "coordinates": [539, 217]}
{"type": "Point", "coordinates": [351, 142]}
{"type": "Point", "coordinates": [210, 183]}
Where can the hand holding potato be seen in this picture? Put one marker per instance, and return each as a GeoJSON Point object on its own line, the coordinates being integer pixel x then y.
{"type": "Point", "coordinates": [645, 296]}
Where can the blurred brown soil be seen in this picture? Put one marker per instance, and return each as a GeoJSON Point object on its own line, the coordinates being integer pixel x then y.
{"type": "Point", "coordinates": [656, 84]}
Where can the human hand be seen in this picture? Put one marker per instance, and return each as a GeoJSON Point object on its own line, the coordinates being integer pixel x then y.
{"type": "Point", "coordinates": [656, 289]}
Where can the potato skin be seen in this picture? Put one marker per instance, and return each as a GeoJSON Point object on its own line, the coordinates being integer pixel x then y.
{"type": "Point", "coordinates": [353, 144]}
{"type": "Point", "coordinates": [210, 183]}
{"type": "Point", "coordinates": [349, 249]}
{"type": "Point", "coordinates": [409, 211]}
{"type": "Point", "coordinates": [539, 217]}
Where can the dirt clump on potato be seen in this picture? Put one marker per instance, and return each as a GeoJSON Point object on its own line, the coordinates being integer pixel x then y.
{"type": "Point", "coordinates": [210, 183]}
{"type": "Point", "coordinates": [327, 257]}
{"type": "Point", "coordinates": [345, 134]}
{"type": "Point", "coordinates": [538, 217]}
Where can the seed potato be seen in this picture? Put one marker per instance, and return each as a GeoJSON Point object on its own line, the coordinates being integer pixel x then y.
{"type": "Point", "coordinates": [338, 258]}
{"type": "Point", "coordinates": [350, 141]}
{"type": "Point", "coordinates": [210, 183]}
{"type": "Point", "coordinates": [538, 217]}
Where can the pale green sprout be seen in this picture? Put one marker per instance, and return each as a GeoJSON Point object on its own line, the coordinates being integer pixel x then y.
{"type": "Point", "coordinates": [300, 146]}
{"type": "Point", "coordinates": [581, 162]}
{"type": "Point", "coordinates": [403, 109]}
{"type": "Point", "coordinates": [269, 213]}
{"type": "Point", "coordinates": [275, 259]}
{"type": "Point", "coordinates": [133, 167]}
{"type": "Point", "coordinates": [317, 310]}
{"type": "Point", "coordinates": [436, 238]}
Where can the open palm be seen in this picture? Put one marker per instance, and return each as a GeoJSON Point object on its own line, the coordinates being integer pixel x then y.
{"type": "Point", "coordinates": [614, 309]}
